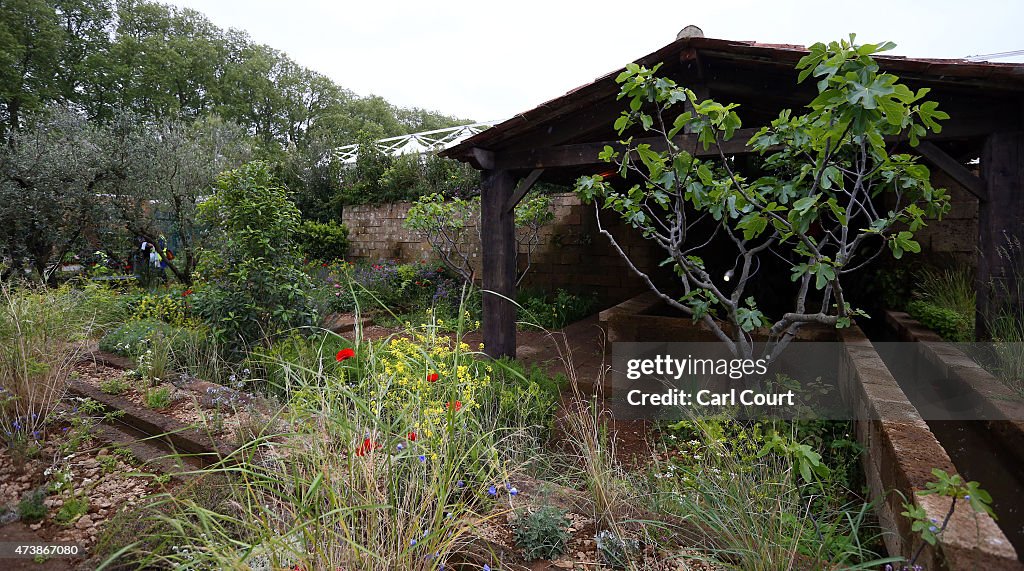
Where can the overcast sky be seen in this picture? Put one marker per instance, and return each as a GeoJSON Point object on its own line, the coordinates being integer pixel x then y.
{"type": "Point", "coordinates": [487, 59]}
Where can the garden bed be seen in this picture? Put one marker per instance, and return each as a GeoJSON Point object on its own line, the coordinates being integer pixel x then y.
{"type": "Point", "coordinates": [900, 449]}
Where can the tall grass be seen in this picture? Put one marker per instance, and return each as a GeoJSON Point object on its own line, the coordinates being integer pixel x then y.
{"type": "Point", "coordinates": [42, 335]}
{"type": "Point", "coordinates": [1005, 321]}
{"type": "Point", "coordinates": [756, 513]}
{"type": "Point", "coordinates": [950, 288]}
{"type": "Point", "coordinates": [346, 484]}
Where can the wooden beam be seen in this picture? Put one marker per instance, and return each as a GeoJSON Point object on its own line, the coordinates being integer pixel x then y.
{"type": "Point", "coordinates": [953, 168]}
{"type": "Point", "coordinates": [484, 158]}
{"type": "Point", "coordinates": [522, 188]}
{"type": "Point", "coordinates": [498, 247]}
{"type": "Point", "coordinates": [999, 220]}
{"type": "Point", "coordinates": [585, 154]}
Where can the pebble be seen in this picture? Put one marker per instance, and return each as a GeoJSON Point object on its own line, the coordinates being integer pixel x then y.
{"type": "Point", "coordinates": [84, 522]}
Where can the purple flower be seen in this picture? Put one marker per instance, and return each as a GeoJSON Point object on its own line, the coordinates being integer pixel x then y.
{"type": "Point", "coordinates": [513, 491]}
{"type": "Point", "coordinates": [460, 484]}
{"type": "Point", "coordinates": [492, 491]}
{"type": "Point", "coordinates": [423, 458]}
{"type": "Point", "coordinates": [401, 447]}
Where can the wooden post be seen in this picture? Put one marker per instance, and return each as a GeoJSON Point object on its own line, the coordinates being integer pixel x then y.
{"type": "Point", "coordinates": [498, 245]}
{"type": "Point", "coordinates": [1000, 218]}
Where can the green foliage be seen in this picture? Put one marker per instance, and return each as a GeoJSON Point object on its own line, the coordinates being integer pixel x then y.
{"type": "Point", "coordinates": [322, 241]}
{"type": "Point", "coordinates": [261, 288]}
{"type": "Point", "coordinates": [31, 507]}
{"type": "Point", "coordinates": [542, 533]}
{"type": "Point", "coordinates": [170, 307]}
{"type": "Point", "coordinates": [115, 385]}
{"type": "Point", "coordinates": [771, 493]}
{"type": "Point", "coordinates": [49, 172]}
{"type": "Point", "coordinates": [451, 225]}
{"type": "Point", "coordinates": [808, 194]}
{"type": "Point", "coordinates": [616, 551]}
{"type": "Point", "coordinates": [132, 338]}
{"type": "Point", "coordinates": [950, 288]}
{"type": "Point", "coordinates": [295, 355]}
{"type": "Point", "coordinates": [526, 392]}
{"type": "Point", "coordinates": [557, 311]}
{"type": "Point", "coordinates": [948, 323]}
{"type": "Point", "coordinates": [378, 178]}
{"type": "Point", "coordinates": [946, 486]}
{"type": "Point", "coordinates": [73, 508]}
{"type": "Point", "coordinates": [157, 398]}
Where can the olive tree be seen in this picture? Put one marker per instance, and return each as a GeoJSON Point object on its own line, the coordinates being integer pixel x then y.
{"type": "Point", "coordinates": [164, 170]}
{"type": "Point", "coordinates": [52, 173]}
{"type": "Point", "coordinates": [449, 223]}
{"type": "Point", "coordinates": [827, 192]}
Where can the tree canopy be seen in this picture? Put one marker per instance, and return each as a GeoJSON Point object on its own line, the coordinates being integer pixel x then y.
{"type": "Point", "coordinates": [161, 62]}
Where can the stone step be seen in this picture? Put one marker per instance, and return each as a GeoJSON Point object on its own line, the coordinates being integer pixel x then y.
{"type": "Point", "coordinates": [341, 323]}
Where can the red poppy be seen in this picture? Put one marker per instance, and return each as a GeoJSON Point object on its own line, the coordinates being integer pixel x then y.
{"type": "Point", "coordinates": [455, 405]}
{"type": "Point", "coordinates": [432, 378]}
{"type": "Point", "coordinates": [412, 437]}
{"type": "Point", "coordinates": [186, 293]}
{"type": "Point", "coordinates": [346, 353]}
{"type": "Point", "coordinates": [367, 446]}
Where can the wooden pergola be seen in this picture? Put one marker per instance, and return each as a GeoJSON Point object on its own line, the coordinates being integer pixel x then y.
{"type": "Point", "coordinates": [560, 140]}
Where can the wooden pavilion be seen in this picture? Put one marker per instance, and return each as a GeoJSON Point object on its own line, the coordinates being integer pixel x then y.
{"type": "Point", "coordinates": [981, 146]}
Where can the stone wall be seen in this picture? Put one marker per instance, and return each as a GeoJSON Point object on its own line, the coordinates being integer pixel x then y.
{"type": "Point", "coordinates": [956, 235]}
{"type": "Point", "coordinates": [572, 254]}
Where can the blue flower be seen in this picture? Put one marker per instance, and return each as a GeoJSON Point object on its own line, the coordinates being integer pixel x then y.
{"type": "Point", "coordinates": [967, 497]}
{"type": "Point", "coordinates": [486, 566]}
{"type": "Point", "coordinates": [492, 491]}
{"type": "Point", "coordinates": [513, 491]}
{"type": "Point", "coordinates": [460, 484]}
{"type": "Point", "coordinates": [423, 458]}
{"type": "Point", "coordinates": [401, 447]}
{"type": "Point", "coordinates": [412, 542]}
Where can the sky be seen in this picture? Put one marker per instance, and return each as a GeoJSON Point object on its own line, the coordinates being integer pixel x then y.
{"type": "Point", "coordinates": [488, 60]}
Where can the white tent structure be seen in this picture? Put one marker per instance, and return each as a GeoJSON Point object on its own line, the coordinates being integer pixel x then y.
{"type": "Point", "coordinates": [416, 143]}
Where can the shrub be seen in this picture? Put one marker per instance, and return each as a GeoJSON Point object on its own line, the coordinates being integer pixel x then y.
{"type": "Point", "coordinates": [322, 241]}
{"type": "Point", "coordinates": [555, 312]}
{"type": "Point", "coordinates": [135, 338]}
{"type": "Point", "coordinates": [948, 323]}
{"type": "Point", "coordinates": [543, 533]}
{"type": "Point", "coordinates": [171, 308]}
{"type": "Point", "coordinates": [72, 509]}
{"type": "Point", "coordinates": [115, 386]}
{"type": "Point", "coordinates": [450, 224]}
{"type": "Point", "coordinates": [158, 398]}
{"type": "Point", "coordinates": [32, 507]}
{"type": "Point", "coordinates": [260, 289]}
